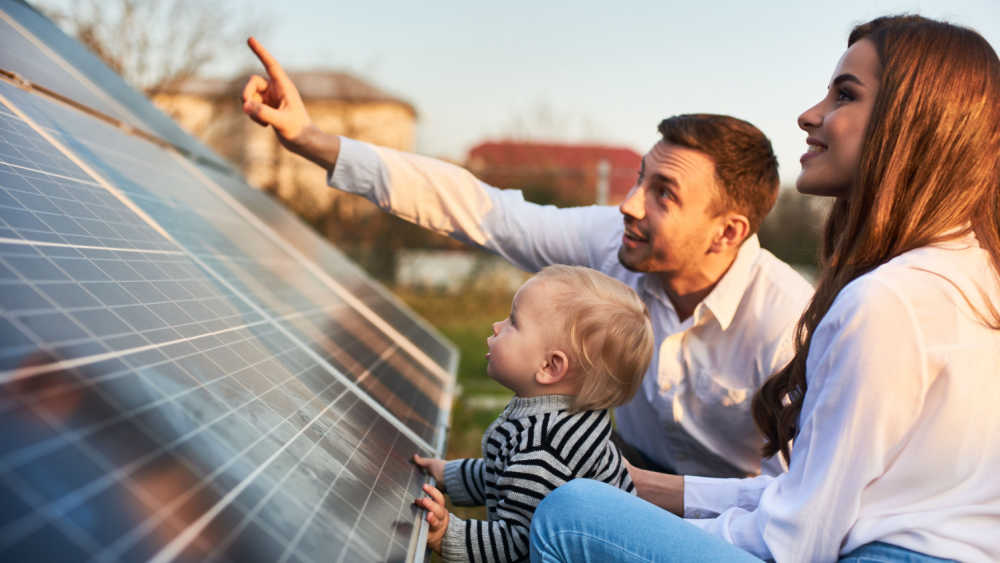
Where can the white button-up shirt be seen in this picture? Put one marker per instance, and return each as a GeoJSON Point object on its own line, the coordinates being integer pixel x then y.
{"type": "Point", "coordinates": [898, 429]}
{"type": "Point", "coordinates": [693, 409]}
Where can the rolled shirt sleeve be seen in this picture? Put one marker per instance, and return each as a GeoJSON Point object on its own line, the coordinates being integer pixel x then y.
{"type": "Point", "coordinates": [449, 200]}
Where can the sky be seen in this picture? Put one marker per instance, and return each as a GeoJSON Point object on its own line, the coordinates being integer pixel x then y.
{"type": "Point", "coordinates": [584, 71]}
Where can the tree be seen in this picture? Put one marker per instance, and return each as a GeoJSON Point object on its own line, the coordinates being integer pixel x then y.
{"type": "Point", "coordinates": [155, 44]}
{"type": "Point", "coordinates": [792, 230]}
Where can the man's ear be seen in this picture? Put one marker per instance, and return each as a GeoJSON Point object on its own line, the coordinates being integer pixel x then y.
{"type": "Point", "coordinates": [554, 369]}
{"type": "Point", "coordinates": [734, 229]}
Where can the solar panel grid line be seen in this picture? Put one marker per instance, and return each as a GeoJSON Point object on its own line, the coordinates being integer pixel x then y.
{"type": "Point", "coordinates": [230, 283]}
{"type": "Point", "coordinates": [318, 272]}
{"type": "Point", "coordinates": [84, 166]}
{"type": "Point", "coordinates": [5, 240]}
{"type": "Point", "coordinates": [12, 375]}
{"type": "Point", "coordinates": [115, 550]}
{"type": "Point", "coordinates": [68, 68]}
{"type": "Point", "coordinates": [27, 330]}
{"type": "Point", "coordinates": [24, 455]}
{"type": "Point", "coordinates": [80, 537]}
{"type": "Point", "coordinates": [28, 371]}
{"type": "Point", "coordinates": [68, 502]}
{"type": "Point", "coordinates": [61, 64]}
{"type": "Point", "coordinates": [179, 543]}
{"type": "Point", "coordinates": [119, 478]}
{"type": "Point", "coordinates": [302, 530]}
{"type": "Point", "coordinates": [17, 130]}
{"type": "Point", "coordinates": [371, 492]}
{"type": "Point", "coordinates": [44, 172]}
{"type": "Point", "coordinates": [389, 297]}
{"type": "Point", "coordinates": [348, 274]}
{"type": "Point", "coordinates": [267, 232]}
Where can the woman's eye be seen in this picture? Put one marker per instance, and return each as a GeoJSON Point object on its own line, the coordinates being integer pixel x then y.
{"type": "Point", "coordinates": [844, 96]}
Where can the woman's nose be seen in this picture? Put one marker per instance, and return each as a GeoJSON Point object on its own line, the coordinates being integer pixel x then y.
{"type": "Point", "coordinates": [811, 118]}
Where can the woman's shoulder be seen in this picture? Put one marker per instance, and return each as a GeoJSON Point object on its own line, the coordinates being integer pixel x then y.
{"type": "Point", "coordinates": [942, 270]}
{"type": "Point", "coordinates": [934, 283]}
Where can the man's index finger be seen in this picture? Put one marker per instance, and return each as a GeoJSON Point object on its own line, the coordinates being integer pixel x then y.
{"type": "Point", "coordinates": [270, 63]}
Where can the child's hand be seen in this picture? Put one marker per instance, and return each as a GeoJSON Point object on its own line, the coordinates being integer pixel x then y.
{"type": "Point", "coordinates": [433, 466]}
{"type": "Point", "coordinates": [437, 516]}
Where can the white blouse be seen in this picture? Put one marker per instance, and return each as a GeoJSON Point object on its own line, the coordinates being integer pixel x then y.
{"type": "Point", "coordinates": [899, 436]}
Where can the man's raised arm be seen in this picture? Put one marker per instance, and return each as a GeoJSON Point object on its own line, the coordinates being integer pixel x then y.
{"type": "Point", "coordinates": [275, 101]}
{"type": "Point", "coordinates": [435, 195]}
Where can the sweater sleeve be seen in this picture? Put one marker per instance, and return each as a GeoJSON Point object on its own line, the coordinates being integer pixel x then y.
{"type": "Point", "coordinates": [465, 481]}
{"type": "Point", "coordinates": [530, 475]}
{"type": "Point", "coordinates": [449, 200]}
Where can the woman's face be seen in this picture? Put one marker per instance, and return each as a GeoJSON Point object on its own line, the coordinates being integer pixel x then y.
{"type": "Point", "coordinates": [836, 125]}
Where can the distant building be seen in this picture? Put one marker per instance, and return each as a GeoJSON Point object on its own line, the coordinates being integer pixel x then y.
{"type": "Point", "coordinates": [338, 103]}
{"type": "Point", "coordinates": [573, 172]}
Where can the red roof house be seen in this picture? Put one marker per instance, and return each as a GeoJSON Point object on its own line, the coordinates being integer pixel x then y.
{"type": "Point", "coordinates": [572, 172]}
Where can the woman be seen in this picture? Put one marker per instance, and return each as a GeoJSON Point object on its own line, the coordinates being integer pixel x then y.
{"type": "Point", "coordinates": [893, 397]}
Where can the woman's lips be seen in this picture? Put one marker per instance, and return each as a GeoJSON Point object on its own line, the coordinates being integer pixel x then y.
{"type": "Point", "coordinates": [815, 148]}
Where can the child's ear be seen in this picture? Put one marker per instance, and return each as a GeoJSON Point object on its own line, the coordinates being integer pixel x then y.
{"type": "Point", "coordinates": [554, 369]}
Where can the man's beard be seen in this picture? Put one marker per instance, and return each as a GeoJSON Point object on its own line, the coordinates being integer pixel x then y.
{"type": "Point", "coordinates": [630, 267]}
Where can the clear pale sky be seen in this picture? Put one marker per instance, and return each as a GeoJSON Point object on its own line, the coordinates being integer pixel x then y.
{"type": "Point", "coordinates": [586, 70]}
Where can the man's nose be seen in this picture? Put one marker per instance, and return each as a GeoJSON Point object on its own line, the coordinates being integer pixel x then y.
{"type": "Point", "coordinates": [634, 203]}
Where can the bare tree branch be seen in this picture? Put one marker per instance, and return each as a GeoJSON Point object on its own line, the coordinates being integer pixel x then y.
{"type": "Point", "coordinates": [156, 44]}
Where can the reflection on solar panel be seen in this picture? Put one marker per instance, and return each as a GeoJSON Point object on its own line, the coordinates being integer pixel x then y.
{"type": "Point", "coordinates": [186, 371]}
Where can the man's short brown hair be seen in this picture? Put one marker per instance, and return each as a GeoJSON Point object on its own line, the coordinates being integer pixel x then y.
{"type": "Point", "coordinates": [745, 166]}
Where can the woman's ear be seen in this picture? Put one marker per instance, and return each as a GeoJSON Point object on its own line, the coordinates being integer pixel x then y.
{"type": "Point", "coordinates": [554, 369]}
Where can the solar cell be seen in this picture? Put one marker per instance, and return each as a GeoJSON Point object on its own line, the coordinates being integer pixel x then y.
{"type": "Point", "coordinates": [179, 381]}
{"type": "Point", "coordinates": [329, 259]}
{"type": "Point", "coordinates": [212, 231]}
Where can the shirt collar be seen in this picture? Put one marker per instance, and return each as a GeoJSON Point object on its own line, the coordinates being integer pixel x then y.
{"type": "Point", "coordinates": [727, 294]}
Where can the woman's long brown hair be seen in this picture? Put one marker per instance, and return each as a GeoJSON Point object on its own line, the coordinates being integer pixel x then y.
{"type": "Point", "coordinates": [929, 171]}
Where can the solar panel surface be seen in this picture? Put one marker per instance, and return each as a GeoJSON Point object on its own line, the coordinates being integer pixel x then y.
{"type": "Point", "coordinates": [37, 51]}
{"type": "Point", "coordinates": [179, 381]}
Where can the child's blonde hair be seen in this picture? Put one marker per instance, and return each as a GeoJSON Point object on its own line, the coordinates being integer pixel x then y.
{"type": "Point", "coordinates": [608, 332]}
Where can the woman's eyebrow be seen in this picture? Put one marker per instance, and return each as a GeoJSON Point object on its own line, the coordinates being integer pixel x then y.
{"type": "Point", "coordinates": [847, 77]}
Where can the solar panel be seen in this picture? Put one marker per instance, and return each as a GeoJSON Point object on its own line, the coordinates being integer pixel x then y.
{"type": "Point", "coordinates": [178, 379]}
{"type": "Point", "coordinates": [350, 276]}
{"type": "Point", "coordinates": [36, 51]}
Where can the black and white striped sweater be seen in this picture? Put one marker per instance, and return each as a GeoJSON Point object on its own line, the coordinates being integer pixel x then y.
{"type": "Point", "coordinates": [534, 446]}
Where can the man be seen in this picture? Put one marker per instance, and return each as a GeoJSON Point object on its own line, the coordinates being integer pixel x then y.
{"type": "Point", "coordinates": [723, 309]}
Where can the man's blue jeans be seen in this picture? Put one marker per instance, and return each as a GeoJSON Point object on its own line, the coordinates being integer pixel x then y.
{"type": "Point", "coordinates": [590, 521]}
